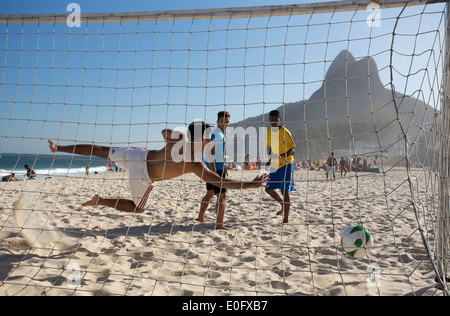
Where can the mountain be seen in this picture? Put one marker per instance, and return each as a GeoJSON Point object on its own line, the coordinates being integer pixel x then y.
{"type": "Point", "coordinates": [351, 101]}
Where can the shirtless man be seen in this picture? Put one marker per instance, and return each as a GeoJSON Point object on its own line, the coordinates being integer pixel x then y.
{"type": "Point", "coordinates": [343, 167]}
{"type": "Point", "coordinates": [331, 166]}
{"type": "Point", "coordinates": [148, 166]}
{"type": "Point", "coordinates": [31, 174]}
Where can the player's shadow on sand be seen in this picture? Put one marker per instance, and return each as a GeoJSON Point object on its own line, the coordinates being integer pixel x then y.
{"type": "Point", "coordinates": [145, 230]}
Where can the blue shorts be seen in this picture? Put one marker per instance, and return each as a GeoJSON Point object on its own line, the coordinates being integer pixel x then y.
{"type": "Point", "coordinates": [282, 178]}
{"type": "Point", "coordinates": [331, 169]}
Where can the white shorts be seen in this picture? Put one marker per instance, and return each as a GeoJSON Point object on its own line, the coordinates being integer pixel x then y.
{"type": "Point", "coordinates": [134, 160]}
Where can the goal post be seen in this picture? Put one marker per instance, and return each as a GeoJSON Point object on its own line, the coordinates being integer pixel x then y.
{"type": "Point", "coordinates": [365, 80]}
{"type": "Point", "coordinates": [443, 252]}
{"type": "Point", "coordinates": [226, 13]}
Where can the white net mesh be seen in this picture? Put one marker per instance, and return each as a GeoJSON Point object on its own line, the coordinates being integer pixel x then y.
{"type": "Point", "coordinates": [365, 82]}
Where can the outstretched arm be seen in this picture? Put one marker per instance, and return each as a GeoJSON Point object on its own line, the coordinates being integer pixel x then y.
{"type": "Point", "coordinates": [200, 169]}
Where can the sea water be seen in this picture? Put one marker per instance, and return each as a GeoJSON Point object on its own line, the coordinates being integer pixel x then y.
{"type": "Point", "coordinates": [53, 166]}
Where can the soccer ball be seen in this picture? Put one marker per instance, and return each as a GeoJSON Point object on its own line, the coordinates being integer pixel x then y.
{"type": "Point", "coordinates": [356, 241]}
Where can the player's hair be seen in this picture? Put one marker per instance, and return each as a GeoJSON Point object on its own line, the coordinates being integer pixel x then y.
{"type": "Point", "coordinates": [274, 113]}
{"type": "Point", "coordinates": [195, 128]}
{"type": "Point", "coordinates": [222, 114]}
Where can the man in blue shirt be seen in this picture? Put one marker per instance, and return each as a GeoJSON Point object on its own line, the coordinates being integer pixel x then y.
{"type": "Point", "coordinates": [218, 166]}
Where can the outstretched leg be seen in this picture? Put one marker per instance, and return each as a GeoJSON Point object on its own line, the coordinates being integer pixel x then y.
{"type": "Point", "coordinates": [119, 204]}
{"type": "Point", "coordinates": [85, 150]}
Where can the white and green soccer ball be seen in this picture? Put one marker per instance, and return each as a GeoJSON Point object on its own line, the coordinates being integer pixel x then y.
{"type": "Point", "coordinates": [356, 241]}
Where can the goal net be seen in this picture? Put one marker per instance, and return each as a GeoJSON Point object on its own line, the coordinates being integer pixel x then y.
{"type": "Point", "coordinates": [366, 81]}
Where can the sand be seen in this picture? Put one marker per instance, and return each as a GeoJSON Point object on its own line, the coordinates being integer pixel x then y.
{"type": "Point", "coordinates": [165, 251]}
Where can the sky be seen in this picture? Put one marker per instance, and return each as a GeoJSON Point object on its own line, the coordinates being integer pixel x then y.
{"type": "Point", "coordinates": [122, 83]}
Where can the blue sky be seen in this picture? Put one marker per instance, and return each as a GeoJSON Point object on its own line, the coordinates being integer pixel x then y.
{"type": "Point", "coordinates": [95, 83]}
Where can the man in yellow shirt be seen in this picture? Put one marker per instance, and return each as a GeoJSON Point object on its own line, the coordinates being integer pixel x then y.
{"type": "Point", "coordinates": [281, 152]}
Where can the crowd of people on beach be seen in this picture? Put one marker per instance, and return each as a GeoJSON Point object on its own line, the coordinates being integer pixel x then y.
{"type": "Point", "coordinates": [329, 165]}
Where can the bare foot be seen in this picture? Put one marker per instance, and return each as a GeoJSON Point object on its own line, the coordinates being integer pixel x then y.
{"type": "Point", "coordinates": [53, 146]}
{"type": "Point", "coordinates": [94, 201]}
{"type": "Point", "coordinates": [202, 220]}
{"type": "Point", "coordinates": [220, 226]}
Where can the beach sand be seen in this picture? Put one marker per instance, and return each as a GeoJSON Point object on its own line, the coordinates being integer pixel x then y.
{"type": "Point", "coordinates": [165, 251]}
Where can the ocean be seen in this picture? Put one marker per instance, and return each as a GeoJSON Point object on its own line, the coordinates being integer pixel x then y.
{"type": "Point", "coordinates": [54, 166]}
